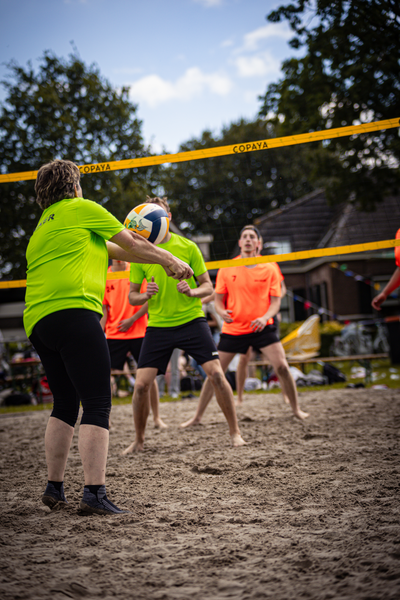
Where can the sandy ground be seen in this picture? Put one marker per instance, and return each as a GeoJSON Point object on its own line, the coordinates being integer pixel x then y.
{"type": "Point", "coordinates": [306, 510]}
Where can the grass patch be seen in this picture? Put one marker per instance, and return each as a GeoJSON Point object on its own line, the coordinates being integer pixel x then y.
{"type": "Point", "coordinates": [25, 408]}
{"type": "Point", "coordinates": [383, 373]}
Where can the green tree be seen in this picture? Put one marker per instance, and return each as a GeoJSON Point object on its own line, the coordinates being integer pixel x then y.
{"type": "Point", "coordinates": [220, 195]}
{"type": "Point", "coordinates": [65, 110]}
{"type": "Point", "coordinates": [350, 74]}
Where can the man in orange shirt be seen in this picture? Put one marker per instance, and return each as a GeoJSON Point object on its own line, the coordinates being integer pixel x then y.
{"type": "Point", "coordinates": [125, 326]}
{"type": "Point", "coordinates": [247, 298]}
{"type": "Point", "coordinates": [243, 364]}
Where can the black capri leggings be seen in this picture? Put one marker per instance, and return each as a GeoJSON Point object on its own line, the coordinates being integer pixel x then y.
{"type": "Point", "coordinates": [74, 353]}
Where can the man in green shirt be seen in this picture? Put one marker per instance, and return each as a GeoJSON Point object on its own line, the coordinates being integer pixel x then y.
{"type": "Point", "coordinates": [176, 320]}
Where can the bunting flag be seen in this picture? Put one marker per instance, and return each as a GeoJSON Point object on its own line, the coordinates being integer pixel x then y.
{"type": "Point", "coordinates": [307, 304]}
{"type": "Point", "coordinates": [348, 273]}
{"type": "Point", "coordinates": [324, 311]}
{"type": "Point", "coordinates": [343, 268]}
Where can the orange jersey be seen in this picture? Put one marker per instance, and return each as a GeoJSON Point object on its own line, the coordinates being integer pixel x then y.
{"type": "Point", "coordinates": [247, 294]}
{"type": "Point", "coordinates": [278, 270]}
{"type": "Point", "coordinates": [397, 250]}
{"type": "Point", "coordinates": [275, 265]}
{"type": "Point", "coordinates": [117, 303]}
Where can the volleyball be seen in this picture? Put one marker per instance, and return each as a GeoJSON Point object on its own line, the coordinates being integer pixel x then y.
{"type": "Point", "coordinates": [148, 220]}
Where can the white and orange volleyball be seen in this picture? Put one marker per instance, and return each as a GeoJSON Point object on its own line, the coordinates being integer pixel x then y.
{"type": "Point", "coordinates": [148, 220]}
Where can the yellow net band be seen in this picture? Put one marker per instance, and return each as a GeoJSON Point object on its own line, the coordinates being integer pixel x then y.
{"type": "Point", "coordinates": [219, 264]}
{"type": "Point", "coordinates": [291, 140]}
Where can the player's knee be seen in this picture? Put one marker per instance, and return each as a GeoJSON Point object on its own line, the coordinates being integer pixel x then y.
{"type": "Point", "coordinates": [282, 370]}
{"type": "Point", "coordinates": [142, 387]}
{"type": "Point", "coordinates": [67, 416]}
{"type": "Point", "coordinates": [96, 411]}
{"type": "Point", "coordinates": [217, 379]}
{"type": "Point", "coordinates": [65, 410]}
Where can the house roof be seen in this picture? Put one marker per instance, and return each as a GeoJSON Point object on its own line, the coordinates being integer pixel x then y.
{"type": "Point", "coordinates": [304, 222]}
{"type": "Point", "coordinates": [356, 227]}
{"type": "Point", "coordinates": [310, 223]}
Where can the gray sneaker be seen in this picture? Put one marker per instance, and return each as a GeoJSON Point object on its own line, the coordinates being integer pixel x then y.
{"type": "Point", "coordinates": [99, 504]}
{"type": "Point", "coordinates": [52, 497]}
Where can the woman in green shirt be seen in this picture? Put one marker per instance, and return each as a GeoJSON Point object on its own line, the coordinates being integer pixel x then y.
{"type": "Point", "coordinates": [67, 260]}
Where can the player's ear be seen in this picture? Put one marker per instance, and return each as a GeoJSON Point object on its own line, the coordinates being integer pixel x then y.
{"type": "Point", "coordinates": [170, 216]}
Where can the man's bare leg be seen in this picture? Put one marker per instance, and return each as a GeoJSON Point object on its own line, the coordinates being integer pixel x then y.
{"type": "Point", "coordinates": [241, 374]}
{"type": "Point", "coordinates": [275, 354]}
{"type": "Point", "coordinates": [155, 406]}
{"type": "Point", "coordinates": [141, 406]}
{"type": "Point", "coordinates": [207, 392]}
{"type": "Point", "coordinates": [224, 395]}
{"type": "Point", "coordinates": [217, 382]}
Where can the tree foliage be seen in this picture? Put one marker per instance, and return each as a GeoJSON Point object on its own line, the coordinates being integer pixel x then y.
{"type": "Point", "coordinates": [65, 110]}
{"type": "Point", "coordinates": [350, 74]}
{"type": "Point", "coordinates": [220, 195]}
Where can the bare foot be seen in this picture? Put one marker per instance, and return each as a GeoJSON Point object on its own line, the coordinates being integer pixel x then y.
{"type": "Point", "coordinates": [238, 402]}
{"type": "Point", "coordinates": [193, 421]}
{"type": "Point", "coordinates": [301, 414]}
{"type": "Point", "coordinates": [159, 424]}
{"type": "Point", "coordinates": [286, 399]}
{"type": "Point", "coordinates": [134, 447]}
{"type": "Point", "coordinates": [237, 440]}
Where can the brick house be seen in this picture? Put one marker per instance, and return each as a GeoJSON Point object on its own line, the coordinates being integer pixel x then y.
{"type": "Point", "coordinates": [343, 291]}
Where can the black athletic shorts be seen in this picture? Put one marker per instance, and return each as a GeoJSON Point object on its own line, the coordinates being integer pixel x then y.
{"type": "Point", "coordinates": [120, 348]}
{"type": "Point", "coordinates": [239, 344]}
{"type": "Point", "coordinates": [194, 338]}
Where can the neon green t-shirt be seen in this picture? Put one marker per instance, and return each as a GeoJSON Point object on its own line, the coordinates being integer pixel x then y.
{"type": "Point", "coordinates": [169, 308]}
{"type": "Point", "coordinates": [67, 259]}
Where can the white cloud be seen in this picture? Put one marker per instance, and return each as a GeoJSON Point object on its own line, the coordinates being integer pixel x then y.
{"type": "Point", "coordinates": [253, 39]}
{"type": "Point", "coordinates": [252, 59]}
{"type": "Point", "coordinates": [153, 90]}
{"type": "Point", "coordinates": [257, 65]}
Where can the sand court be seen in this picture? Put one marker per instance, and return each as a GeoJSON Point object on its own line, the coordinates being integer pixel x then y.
{"type": "Point", "coordinates": [306, 510]}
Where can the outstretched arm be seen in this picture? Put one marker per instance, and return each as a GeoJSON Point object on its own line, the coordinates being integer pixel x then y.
{"type": "Point", "coordinates": [393, 284]}
{"type": "Point", "coordinates": [131, 247]}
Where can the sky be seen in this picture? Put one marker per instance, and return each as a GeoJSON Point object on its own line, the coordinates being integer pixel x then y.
{"type": "Point", "coordinates": [191, 65]}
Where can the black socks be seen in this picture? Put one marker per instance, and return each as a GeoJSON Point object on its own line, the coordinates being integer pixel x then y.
{"type": "Point", "coordinates": [56, 484]}
{"type": "Point", "coordinates": [93, 489]}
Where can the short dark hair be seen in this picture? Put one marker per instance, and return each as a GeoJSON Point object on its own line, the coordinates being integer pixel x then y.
{"type": "Point", "coordinates": [160, 201]}
{"type": "Point", "coordinates": [252, 228]}
{"type": "Point", "coordinates": [55, 181]}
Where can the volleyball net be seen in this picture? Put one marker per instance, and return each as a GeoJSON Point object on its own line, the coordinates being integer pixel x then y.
{"type": "Point", "coordinates": [248, 158]}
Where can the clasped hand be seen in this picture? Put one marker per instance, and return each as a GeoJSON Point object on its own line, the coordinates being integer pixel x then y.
{"type": "Point", "coordinates": [179, 270]}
